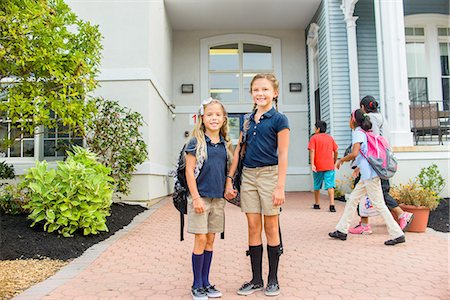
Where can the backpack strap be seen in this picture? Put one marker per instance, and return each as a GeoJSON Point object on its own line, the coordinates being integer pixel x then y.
{"type": "Point", "coordinates": [181, 226]}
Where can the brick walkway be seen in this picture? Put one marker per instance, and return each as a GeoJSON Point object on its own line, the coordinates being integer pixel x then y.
{"type": "Point", "coordinates": [147, 261]}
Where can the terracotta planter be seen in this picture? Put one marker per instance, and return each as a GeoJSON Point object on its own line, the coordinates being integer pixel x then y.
{"type": "Point", "coordinates": [421, 214]}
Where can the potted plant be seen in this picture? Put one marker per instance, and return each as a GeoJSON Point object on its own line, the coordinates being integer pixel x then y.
{"type": "Point", "coordinates": [420, 195]}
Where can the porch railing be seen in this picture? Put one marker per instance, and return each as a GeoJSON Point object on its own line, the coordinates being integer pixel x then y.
{"type": "Point", "coordinates": [430, 120]}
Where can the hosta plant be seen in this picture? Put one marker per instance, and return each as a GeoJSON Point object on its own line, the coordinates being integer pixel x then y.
{"type": "Point", "coordinates": [77, 195]}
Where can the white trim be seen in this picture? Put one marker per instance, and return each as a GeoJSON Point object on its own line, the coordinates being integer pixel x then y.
{"type": "Point", "coordinates": [380, 60]}
{"type": "Point", "coordinates": [348, 7]}
{"type": "Point", "coordinates": [313, 51]}
{"type": "Point", "coordinates": [151, 168]}
{"type": "Point", "coordinates": [437, 155]}
{"type": "Point", "coordinates": [205, 44]}
{"type": "Point", "coordinates": [135, 74]}
{"type": "Point", "coordinates": [298, 171]}
{"type": "Point", "coordinates": [241, 108]}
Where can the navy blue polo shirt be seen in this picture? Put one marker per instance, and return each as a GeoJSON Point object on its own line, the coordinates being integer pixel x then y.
{"type": "Point", "coordinates": [262, 141]}
{"type": "Point", "coordinates": [211, 180]}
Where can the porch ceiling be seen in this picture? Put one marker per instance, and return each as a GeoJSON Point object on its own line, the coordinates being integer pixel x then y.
{"type": "Point", "coordinates": [240, 14]}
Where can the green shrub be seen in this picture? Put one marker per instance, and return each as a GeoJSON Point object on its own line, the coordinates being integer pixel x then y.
{"type": "Point", "coordinates": [431, 179]}
{"type": "Point", "coordinates": [12, 200]}
{"type": "Point", "coordinates": [413, 193]}
{"type": "Point", "coordinates": [114, 136]}
{"type": "Point", "coordinates": [6, 171]}
{"type": "Point", "coordinates": [75, 195]}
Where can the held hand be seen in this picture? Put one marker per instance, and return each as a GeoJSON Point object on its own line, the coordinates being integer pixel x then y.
{"type": "Point", "coordinates": [339, 164]}
{"type": "Point", "coordinates": [278, 197]}
{"type": "Point", "coordinates": [199, 205]}
{"type": "Point", "coordinates": [230, 192]}
{"type": "Point", "coordinates": [313, 168]}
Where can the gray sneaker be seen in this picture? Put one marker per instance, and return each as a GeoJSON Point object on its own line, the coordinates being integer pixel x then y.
{"type": "Point", "coordinates": [212, 292]}
{"type": "Point", "coordinates": [272, 289]}
{"type": "Point", "coordinates": [198, 294]}
{"type": "Point", "coordinates": [249, 288]}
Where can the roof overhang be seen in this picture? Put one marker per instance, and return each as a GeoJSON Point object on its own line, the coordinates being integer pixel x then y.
{"type": "Point", "coordinates": [240, 14]}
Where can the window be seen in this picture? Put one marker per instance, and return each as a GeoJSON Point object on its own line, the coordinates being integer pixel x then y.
{"type": "Point", "coordinates": [232, 66]}
{"type": "Point", "coordinates": [444, 49]}
{"type": "Point", "coordinates": [24, 143]}
{"type": "Point", "coordinates": [417, 64]}
{"type": "Point", "coordinates": [58, 140]}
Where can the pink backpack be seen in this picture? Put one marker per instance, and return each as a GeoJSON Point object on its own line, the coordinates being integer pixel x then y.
{"type": "Point", "coordinates": [380, 156]}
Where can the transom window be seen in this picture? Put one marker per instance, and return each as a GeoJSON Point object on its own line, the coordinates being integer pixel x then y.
{"type": "Point", "coordinates": [232, 66]}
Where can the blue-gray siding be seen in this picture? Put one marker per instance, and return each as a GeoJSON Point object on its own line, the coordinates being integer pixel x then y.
{"type": "Point", "coordinates": [367, 49]}
{"type": "Point", "coordinates": [340, 77]}
{"type": "Point", "coordinates": [412, 7]}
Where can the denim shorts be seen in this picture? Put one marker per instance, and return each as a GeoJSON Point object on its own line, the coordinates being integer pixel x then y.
{"type": "Point", "coordinates": [326, 177]}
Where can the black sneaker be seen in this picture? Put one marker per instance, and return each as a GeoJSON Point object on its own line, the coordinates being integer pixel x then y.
{"type": "Point", "coordinates": [272, 289]}
{"type": "Point", "coordinates": [212, 292]}
{"type": "Point", "coordinates": [316, 206]}
{"type": "Point", "coordinates": [338, 235]}
{"type": "Point", "coordinates": [400, 239]}
{"type": "Point", "coordinates": [198, 294]}
{"type": "Point", "coordinates": [249, 288]}
{"type": "Point", "coordinates": [332, 208]}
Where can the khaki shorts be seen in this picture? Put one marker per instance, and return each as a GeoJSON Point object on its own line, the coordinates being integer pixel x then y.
{"type": "Point", "coordinates": [211, 220]}
{"type": "Point", "coordinates": [257, 187]}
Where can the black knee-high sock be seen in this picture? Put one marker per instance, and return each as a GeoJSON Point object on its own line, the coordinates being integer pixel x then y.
{"type": "Point", "coordinates": [256, 253]}
{"type": "Point", "coordinates": [273, 252]}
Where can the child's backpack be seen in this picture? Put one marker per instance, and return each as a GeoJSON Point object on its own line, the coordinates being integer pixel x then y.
{"type": "Point", "coordinates": [380, 156]}
{"type": "Point", "coordinates": [180, 189]}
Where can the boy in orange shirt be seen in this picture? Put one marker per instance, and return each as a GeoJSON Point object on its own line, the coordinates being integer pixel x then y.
{"type": "Point", "coordinates": [323, 152]}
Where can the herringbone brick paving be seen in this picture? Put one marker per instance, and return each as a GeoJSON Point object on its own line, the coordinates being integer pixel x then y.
{"type": "Point", "coordinates": [149, 261]}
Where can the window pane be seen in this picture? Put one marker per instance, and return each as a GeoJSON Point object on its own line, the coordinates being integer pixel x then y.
{"type": "Point", "coordinates": [49, 148]}
{"type": "Point", "coordinates": [444, 58]}
{"type": "Point", "coordinates": [28, 148]}
{"type": "Point", "coordinates": [419, 31]}
{"type": "Point", "coordinates": [233, 123]}
{"type": "Point", "coordinates": [247, 79]}
{"type": "Point", "coordinates": [63, 131]}
{"type": "Point", "coordinates": [443, 31]}
{"type": "Point", "coordinates": [224, 57]}
{"type": "Point", "coordinates": [446, 92]}
{"type": "Point", "coordinates": [224, 87]}
{"type": "Point", "coordinates": [417, 89]}
{"type": "Point", "coordinates": [15, 150]}
{"type": "Point", "coordinates": [409, 31]}
{"type": "Point", "coordinates": [257, 57]}
{"type": "Point", "coordinates": [3, 130]}
{"type": "Point", "coordinates": [62, 147]}
{"type": "Point", "coordinates": [415, 59]}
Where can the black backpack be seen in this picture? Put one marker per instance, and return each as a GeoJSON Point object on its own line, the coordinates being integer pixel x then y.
{"type": "Point", "coordinates": [181, 190]}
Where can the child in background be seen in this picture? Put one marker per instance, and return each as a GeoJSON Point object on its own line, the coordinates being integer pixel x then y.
{"type": "Point", "coordinates": [209, 143]}
{"type": "Point", "coordinates": [323, 153]}
{"type": "Point", "coordinates": [370, 106]}
{"type": "Point", "coordinates": [369, 183]}
{"type": "Point", "coordinates": [263, 180]}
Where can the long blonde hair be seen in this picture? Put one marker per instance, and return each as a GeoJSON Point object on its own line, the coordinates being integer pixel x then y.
{"type": "Point", "coordinates": [275, 85]}
{"type": "Point", "coordinates": [199, 132]}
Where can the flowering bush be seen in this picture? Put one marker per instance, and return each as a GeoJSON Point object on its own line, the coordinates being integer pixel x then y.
{"type": "Point", "coordinates": [413, 193]}
{"type": "Point", "coordinates": [115, 137]}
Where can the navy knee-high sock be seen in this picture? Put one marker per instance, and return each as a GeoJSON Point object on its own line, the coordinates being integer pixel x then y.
{"type": "Point", "coordinates": [206, 267]}
{"type": "Point", "coordinates": [256, 253]}
{"type": "Point", "coordinates": [274, 257]}
{"type": "Point", "coordinates": [197, 266]}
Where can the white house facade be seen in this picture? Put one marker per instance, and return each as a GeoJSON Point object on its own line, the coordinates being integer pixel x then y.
{"type": "Point", "coordinates": [162, 57]}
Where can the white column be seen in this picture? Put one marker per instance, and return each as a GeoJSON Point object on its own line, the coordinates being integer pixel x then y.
{"type": "Point", "coordinates": [348, 7]}
{"type": "Point", "coordinates": [393, 54]}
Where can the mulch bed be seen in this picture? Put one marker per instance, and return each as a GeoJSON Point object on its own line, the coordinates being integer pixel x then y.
{"type": "Point", "coordinates": [20, 241]}
{"type": "Point", "coordinates": [439, 218]}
